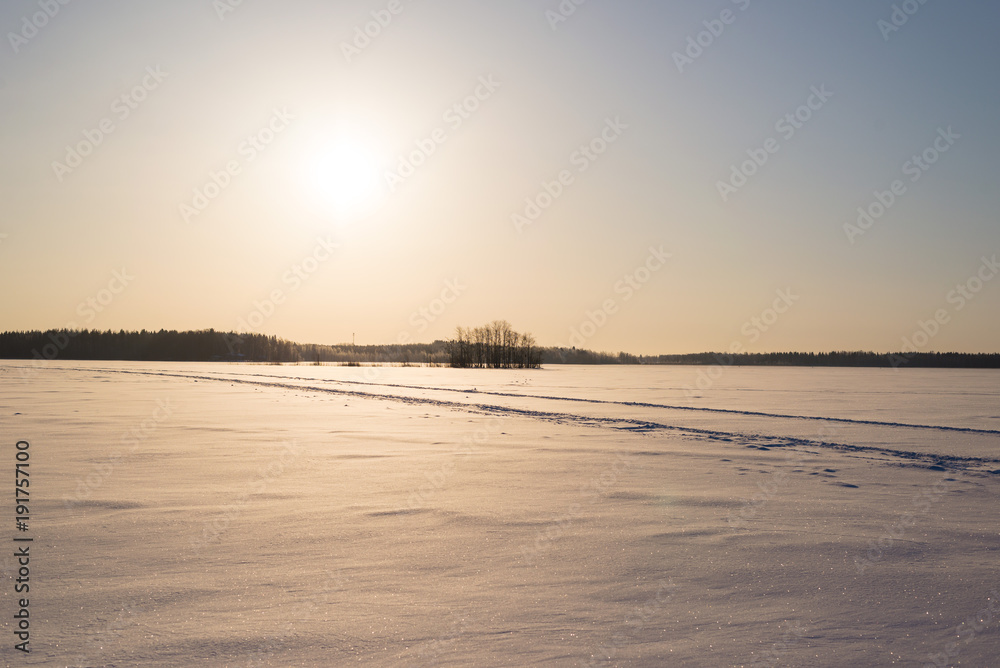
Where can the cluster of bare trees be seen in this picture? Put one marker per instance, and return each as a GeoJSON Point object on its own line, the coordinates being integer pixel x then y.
{"type": "Point", "coordinates": [493, 346]}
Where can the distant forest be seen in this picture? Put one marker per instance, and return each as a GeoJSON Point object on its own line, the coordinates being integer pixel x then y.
{"type": "Point", "coordinates": [210, 345]}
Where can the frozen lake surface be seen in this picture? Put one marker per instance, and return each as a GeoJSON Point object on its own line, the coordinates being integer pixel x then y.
{"type": "Point", "coordinates": [218, 514]}
{"type": "Point", "coordinates": [934, 413]}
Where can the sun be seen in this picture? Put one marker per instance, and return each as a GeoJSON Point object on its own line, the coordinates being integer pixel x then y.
{"type": "Point", "coordinates": [344, 172]}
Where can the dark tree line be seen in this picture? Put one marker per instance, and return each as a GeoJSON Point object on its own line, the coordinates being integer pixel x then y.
{"type": "Point", "coordinates": [162, 345]}
{"type": "Point", "coordinates": [839, 358]}
{"type": "Point", "coordinates": [204, 346]}
{"type": "Point", "coordinates": [493, 346]}
{"type": "Point", "coordinates": [584, 356]}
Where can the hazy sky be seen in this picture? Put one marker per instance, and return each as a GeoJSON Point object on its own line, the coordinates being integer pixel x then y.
{"type": "Point", "coordinates": [267, 166]}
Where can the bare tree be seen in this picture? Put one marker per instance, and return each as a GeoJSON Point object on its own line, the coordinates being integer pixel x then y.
{"type": "Point", "coordinates": [494, 346]}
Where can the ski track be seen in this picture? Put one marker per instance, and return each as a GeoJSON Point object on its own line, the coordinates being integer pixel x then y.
{"type": "Point", "coordinates": [759, 441]}
{"type": "Point", "coordinates": [640, 404]}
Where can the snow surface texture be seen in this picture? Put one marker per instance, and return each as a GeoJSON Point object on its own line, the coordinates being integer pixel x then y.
{"type": "Point", "coordinates": [250, 515]}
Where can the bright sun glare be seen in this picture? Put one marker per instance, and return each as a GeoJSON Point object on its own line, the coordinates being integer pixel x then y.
{"type": "Point", "coordinates": [345, 172]}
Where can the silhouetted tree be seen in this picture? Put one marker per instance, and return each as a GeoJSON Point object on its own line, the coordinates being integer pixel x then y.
{"type": "Point", "coordinates": [493, 346]}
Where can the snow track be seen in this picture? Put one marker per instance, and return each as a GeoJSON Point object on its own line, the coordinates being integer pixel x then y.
{"type": "Point", "coordinates": [852, 434]}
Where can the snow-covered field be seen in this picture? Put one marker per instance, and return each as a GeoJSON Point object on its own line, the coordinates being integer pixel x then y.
{"type": "Point", "coordinates": [241, 515]}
